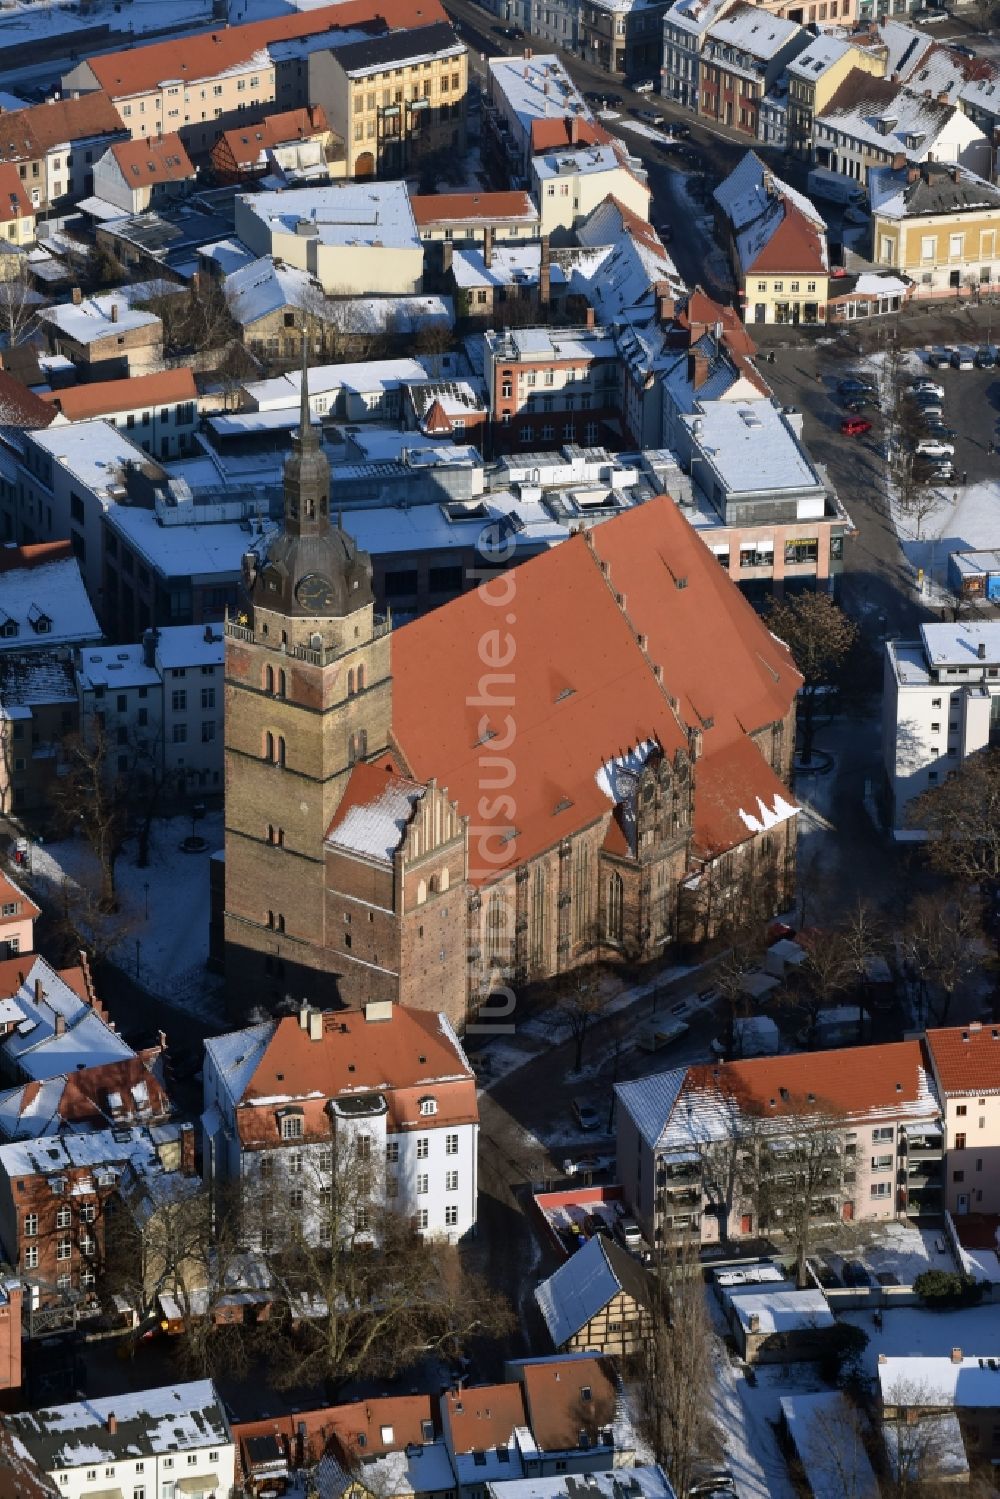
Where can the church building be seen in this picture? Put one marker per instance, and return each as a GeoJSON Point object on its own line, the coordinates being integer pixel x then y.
{"type": "Point", "coordinates": [585, 757]}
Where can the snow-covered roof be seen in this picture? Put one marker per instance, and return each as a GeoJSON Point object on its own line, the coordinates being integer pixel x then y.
{"type": "Point", "coordinates": [937, 1451]}
{"type": "Point", "coordinates": [649, 1102]}
{"type": "Point", "coordinates": [30, 679]}
{"type": "Point", "coordinates": [751, 187]}
{"type": "Point", "coordinates": [49, 605]}
{"type": "Point", "coordinates": [749, 446]}
{"type": "Point", "coordinates": [585, 161]}
{"type": "Point", "coordinates": [828, 1442]}
{"type": "Point", "coordinates": [227, 255]}
{"type": "Point", "coordinates": [173, 1418]}
{"type": "Point", "coordinates": [780, 1311]}
{"type": "Point", "coordinates": [938, 189]}
{"type": "Point", "coordinates": [536, 87]}
{"type": "Point", "coordinates": [401, 315]}
{"type": "Point", "coordinates": [969, 1383]}
{"type": "Point", "coordinates": [577, 1291]}
{"type": "Point", "coordinates": [236, 1054]}
{"type": "Point", "coordinates": [371, 377]}
{"type": "Point", "coordinates": [375, 829]}
{"type": "Point", "coordinates": [58, 1031]}
{"type": "Point", "coordinates": [974, 643]}
{"type": "Point", "coordinates": [754, 31]}
{"type": "Point", "coordinates": [95, 452]}
{"type": "Point", "coordinates": [508, 265]}
{"type": "Point", "coordinates": [694, 16]}
{"type": "Point", "coordinates": [372, 214]}
{"type": "Point", "coordinates": [645, 1482]}
{"type": "Point", "coordinates": [189, 645]}
{"type": "Point", "coordinates": [188, 550]}
{"type": "Point", "coordinates": [116, 666]}
{"type": "Point", "coordinates": [262, 287]}
{"type": "Point", "coordinates": [100, 317]}
{"type": "Point", "coordinates": [822, 53]}
{"type": "Point", "coordinates": [909, 123]}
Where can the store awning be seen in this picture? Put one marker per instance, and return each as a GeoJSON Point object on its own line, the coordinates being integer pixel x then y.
{"type": "Point", "coordinates": [199, 1483]}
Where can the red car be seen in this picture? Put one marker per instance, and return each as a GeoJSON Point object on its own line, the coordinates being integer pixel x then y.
{"type": "Point", "coordinates": [855, 426]}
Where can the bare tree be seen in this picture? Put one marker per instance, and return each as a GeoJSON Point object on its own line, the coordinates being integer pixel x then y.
{"type": "Point", "coordinates": [677, 1367]}
{"type": "Point", "coordinates": [962, 820]}
{"type": "Point", "coordinates": [729, 976]}
{"type": "Point", "coordinates": [942, 942]}
{"type": "Point", "coordinates": [820, 637]}
{"type": "Point", "coordinates": [18, 299]}
{"type": "Point", "coordinates": [825, 974]}
{"type": "Point", "coordinates": [915, 1427]}
{"type": "Point", "coordinates": [835, 1449]}
{"type": "Point", "coordinates": [581, 1002]}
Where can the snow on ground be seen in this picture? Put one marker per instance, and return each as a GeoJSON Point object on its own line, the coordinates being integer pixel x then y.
{"type": "Point", "coordinates": [900, 1249]}
{"type": "Point", "coordinates": [964, 516]}
{"type": "Point", "coordinates": [751, 1449]}
{"type": "Point", "coordinates": [664, 137]}
{"type": "Point", "coordinates": [169, 946]}
{"type": "Point", "coordinates": [913, 1330]}
{"type": "Point", "coordinates": [22, 24]}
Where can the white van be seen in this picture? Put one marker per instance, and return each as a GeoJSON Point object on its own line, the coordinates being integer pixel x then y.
{"type": "Point", "coordinates": [835, 188]}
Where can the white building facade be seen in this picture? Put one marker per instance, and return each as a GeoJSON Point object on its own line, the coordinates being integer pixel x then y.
{"type": "Point", "coordinates": [940, 704]}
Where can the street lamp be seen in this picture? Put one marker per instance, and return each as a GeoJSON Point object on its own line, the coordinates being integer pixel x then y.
{"type": "Point", "coordinates": [145, 892]}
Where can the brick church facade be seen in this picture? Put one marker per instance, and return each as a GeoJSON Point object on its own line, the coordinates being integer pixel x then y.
{"type": "Point", "coordinates": [585, 757]}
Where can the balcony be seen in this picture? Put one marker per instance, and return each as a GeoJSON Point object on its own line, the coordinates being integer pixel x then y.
{"type": "Point", "coordinates": [930, 1148]}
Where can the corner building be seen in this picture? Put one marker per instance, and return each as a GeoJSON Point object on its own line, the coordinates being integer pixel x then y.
{"type": "Point", "coordinates": [584, 758]}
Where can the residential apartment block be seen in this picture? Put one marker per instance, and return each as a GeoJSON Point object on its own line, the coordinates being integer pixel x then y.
{"type": "Point", "coordinates": [55, 146]}
{"type": "Point", "coordinates": [685, 27]}
{"type": "Point", "coordinates": [815, 75]}
{"type": "Point", "coordinates": [569, 184]}
{"type": "Point", "coordinates": [159, 411]}
{"type": "Point", "coordinates": [159, 704]}
{"type": "Point", "coordinates": [173, 1442]}
{"type": "Point", "coordinates": [529, 106]}
{"type": "Point", "coordinates": [940, 704]}
{"type": "Point", "coordinates": [777, 242]}
{"type": "Point", "coordinates": [885, 1143]}
{"type": "Point", "coordinates": [939, 225]}
{"type": "Point", "coordinates": [743, 54]}
{"type": "Point", "coordinates": [290, 1103]}
{"type": "Point", "coordinates": [965, 1063]}
{"type": "Point", "coordinates": [464, 219]}
{"type": "Point", "coordinates": [551, 385]}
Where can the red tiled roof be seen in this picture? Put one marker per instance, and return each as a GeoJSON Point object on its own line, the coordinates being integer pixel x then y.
{"type": "Point", "coordinates": [10, 893]}
{"type": "Point", "coordinates": [487, 208]}
{"type": "Point", "coordinates": [795, 246]}
{"type": "Point", "coordinates": [966, 1058]}
{"type": "Point", "coordinates": [162, 387]}
{"type": "Point", "coordinates": [20, 407]}
{"type": "Point", "coordinates": [639, 228]}
{"type": "Point", "coordinates": [246, 142]}
{"type": "Point", "coordinates": [577, 686]}
{"type": "Point", "coordinates": [159, 159]}
{"type": "Point", "coordinates": [404, 1058]}
{"type": "Point", "coordinates": [857, 1080]}
{"type": "Point", "coordinates": [483, 1416]}
{"type": "Point", "coordinates": [553, 134]}
{"type": "Point", "coordinates": [14, 200]}
{"type": "Point", "coordinates": [137, 70]}
{"type": "Point", "coordinates": [436, 419]}
{"type": "Point", "coordinates": [403, 1415]}
{"type": "Point", "coordinates": [28, 133]}
{"type": "Point", "coordinates": [84, 1098]}
{"type": "Point", "coordinates": [557, 1409]}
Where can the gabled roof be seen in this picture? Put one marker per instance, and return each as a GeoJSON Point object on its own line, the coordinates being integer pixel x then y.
{"type": "Point", "coordinates": [586, 691]}
{"type": "Point", "coordinates": [567, 1396]}
{"type": "Point", "coordinates": [21, 407]}
{"type": "Point", "coordinates": [81, 403]}
{"type": "Point", "coordinates": [775, 227]}
{"type": "Point", "coordinates": [14, 200]}
{"type": "Point", "coordinates": [473, 208]}
{"type": "Point", "coordinates": [12, 894]}
{"type": "Point", "coordinates": [966, 1058]}
{"type": "Point", "coordinates": [566, 130]}
{"type": "Point", "coordinates": [755, 31]}
{"type": "Point", "coordinates": [44, 603]}
{"type": "Point", "coordinates": [265, 286]}
{"type": "Point", "coordinates": [29, 133]}
{"type": "Point", "coordinates": [689, 1107]}
{"type": "Point", "coordinates": [482, 1416]}
{"type": "Point", "coordinates": [89, 1098]}
{"type": "Point", "coordinates": [369, 1428]}
{"type": "Point", "coordinates": [582, 1287]}
{"type": "Point", "coordinates": [149, 160]}
{"type": "Point", "coordinates": [247, 142]}
{"type": "Point", "coordinates": [373, 814]}
{"type": "Point", "coordinates": [137, 70]}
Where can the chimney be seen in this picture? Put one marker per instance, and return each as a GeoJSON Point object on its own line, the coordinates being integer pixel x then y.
{"type": "Point", "coordinates": [754, 1322]}
{"type": "Point", "coordinates": [694, 744]}
{"type": "Point", "coordinates": [488, 246]}
{"type": "Point", "coordinates": [942, 98]}
{"type": "Point", "coordinates": [60, 1023]}
{"type": "Point", "coordinates": [76, 296]}
{"type": "Point", "coordinates": [574, 130]}
{"type": "Point", "coordinates": [544, 284]}
{"type": "Point", "coordinates": [303, 1016]}
{"type": "Point", "coordinates": [39, 992]}
{"type": "Point", "coordinates": [956, 1355]}
{"type": "Point", "coordinates": [590, 318]}
{"type": "Point", "coordinates": [149, 639]}
{"type": "Point", "coordinates": [665, 309]}
{"type": "Point", "coordinates": [697, 368]}
{"type": "Point", "coordinates": [315, 1025]}
{"type": "Point", "coordinates": [114, 312]}
{"type": "Point", "coordinates": [899, 161]}
{"type": "Point", "coordinates": [187, 1150]}
{"type": "Point", "coordinates": [981, 650]}
{"type": "Point", "coordinates": [447, 251]}
{"type": "Point", "coordinates": [913, 175]}
{"type": "Point", "coordinates": [953, 173]}
{"type": "Point", "coordinates": [111, 1421]}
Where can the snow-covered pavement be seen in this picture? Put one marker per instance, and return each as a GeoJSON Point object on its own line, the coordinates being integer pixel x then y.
{"type": "Point", "coordinates": [662, 137]}
{"type": "Point", "coordinates": [744, 1412]}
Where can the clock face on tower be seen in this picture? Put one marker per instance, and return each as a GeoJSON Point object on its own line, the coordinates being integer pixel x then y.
{"type": "Point", "coordinates": [316, 593]}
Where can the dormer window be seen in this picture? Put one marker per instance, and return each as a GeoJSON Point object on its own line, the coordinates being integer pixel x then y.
{"type": "Point", "coordinates": [291, 1124]}
{"type": "Point", "coordinates": [428, 1106]}
{"type": "Point", "coordinates": [39, 621]}
{"type": "Point", "coordinates": [8, 628]}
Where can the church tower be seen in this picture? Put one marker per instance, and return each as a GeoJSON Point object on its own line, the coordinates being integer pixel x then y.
{"type": "Point", "coordinates": [308, 695]}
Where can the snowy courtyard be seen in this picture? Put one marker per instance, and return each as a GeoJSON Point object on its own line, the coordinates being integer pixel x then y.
{"type": "Point", "coordinates": [162, 925]}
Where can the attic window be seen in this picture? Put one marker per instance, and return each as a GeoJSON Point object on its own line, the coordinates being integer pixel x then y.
{"type": "Point", "coordinates": [428, 1106]}
{"type": "Point", "coordinates": [362, 1439]}
{"type": "Point", "coordinates": [386, 1435]}
{"type": "Point", "coordinates": [503, 1455]}
{"type": "Point", "coordinates": [562, 805]}
{"type": "Point", "coordinates": [427, 1430]}
{"type": "Point", "coordinates": [565, 693]}
{"type": "Point", "coordinates": [9, 628]}
{"type": "Point", "coordinates": [39, 621]}
{"type": "Point", "coordinates": [586, 1393]}
{"type": "Point", "coordinates": [291, 1124]}
{"type": "Point", "coordinates": [479, 1458]}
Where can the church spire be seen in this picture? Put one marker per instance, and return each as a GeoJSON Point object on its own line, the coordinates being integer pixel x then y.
{"type": "Point", "coordinates": [307, 473]}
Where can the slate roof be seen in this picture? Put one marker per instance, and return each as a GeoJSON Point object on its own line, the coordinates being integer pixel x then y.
{"type": "Point", "coordinates": [937, 189]}
{"type": "Point", "coordinates": [394, 47]}
{"type": "Point", "coordinates": [582, 1287]}
{"type": "Point", "coordinates": [169, 1419]}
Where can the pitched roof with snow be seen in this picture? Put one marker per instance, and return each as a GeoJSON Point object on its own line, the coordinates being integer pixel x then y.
{"type": "Point", "coordinates": [775, 227]}
{"type": "Point", "coordinates": [45, 604]}
{"type": "Point", "coordinates": [586, 690]}
{"type": "Point", "coordinates": [689, 1107]}
{"type": "Point", "coordinates": [89, 1098]}
{"type": "Point", "coordinates": [11, 894]}
{"type": "Point", "coordinates": [373, 814]}
{"type": "Point", "coordinates": [264, 286]}
{"type": "Point", "coordinates": [171, 1418]}
{"type": "Point", "coordinates": [754, 31]}
{"type": "Point", "coordinates": [582, 1287]}
{"type": "Point", "coordinates": [880, 114]}
{"type": "Point", "coordinates": [153, 159]}
{"type": "Point", "coordinates": [965, 1058]}
{"type": "Point", "coordinates": [930, 190]}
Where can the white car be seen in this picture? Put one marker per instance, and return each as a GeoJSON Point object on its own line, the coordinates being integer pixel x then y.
{"type": "Point", "coordinates": [931, 447]}
{"type": "Point", "coordinates": [931, 387]}
{"type": "Point", "coordinates": [644, 86]}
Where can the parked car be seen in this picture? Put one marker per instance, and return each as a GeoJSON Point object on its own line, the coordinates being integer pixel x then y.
{"type": "Point", "coordinates": [938, 357]}
{"type": "Point", "coordinates": [963, 358]}
{"type": "Point", "coordinates": [595, 1164]}
{"type": "Point", "coordinates": [855, 426]}
{"type": "Point", "coordinates": [928, 385]}
{"type": "Point", "coordinates": [854, 386]}
{"type": "Point", "coordinates": [933, 447]}
{"type": "Point", "coordinates": [935, 428]}
{"type": "Point", "coordinates": [651, 116]}
{"type": "Point", "coordinates": [655, 1037]}
{"type": "Point", "coordinates": [643, 86]}
{"type": "Point", "coordinates": [680, 132]}
{"type": "Point", "coordinates": [859, 403]}
{"type": "Point", "coordinates": [856, 1274]}
{"type": "Point", "coordinates": [586, 1115]}
{"type": "Point", "coordinates": [594, 1224]}
{"type": "Point", "coordinates": [628, 1233]}
{"type": "Point", "coordinates": [987, 356]}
